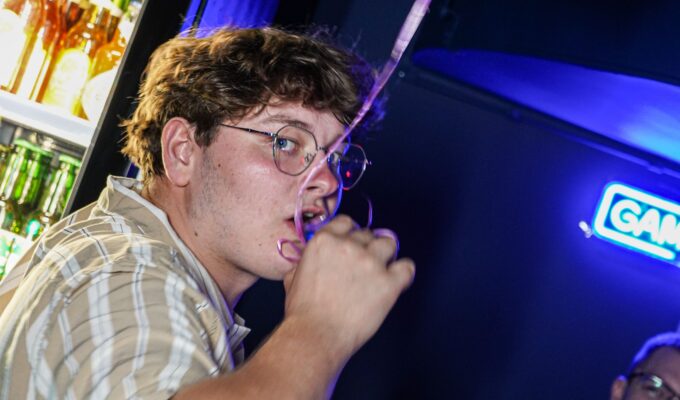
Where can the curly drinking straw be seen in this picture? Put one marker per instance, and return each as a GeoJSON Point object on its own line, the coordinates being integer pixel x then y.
{"type": "Point", "coordinates": [408, 29]}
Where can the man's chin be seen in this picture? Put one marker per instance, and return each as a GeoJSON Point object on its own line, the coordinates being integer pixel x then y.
{"type": "Point", "coordinates": [280, 269]}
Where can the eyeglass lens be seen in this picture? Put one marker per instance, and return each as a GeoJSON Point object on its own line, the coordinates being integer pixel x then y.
{"type": "Point", "coordinates": [654, 387]}
{"type": "Point", "coordinates": [351, 165]}
{"type": "Point", "coordinates": [295, 148]}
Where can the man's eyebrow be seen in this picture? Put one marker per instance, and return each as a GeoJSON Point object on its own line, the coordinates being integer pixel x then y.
{"type": "Point", "coordinates": [288, 120]}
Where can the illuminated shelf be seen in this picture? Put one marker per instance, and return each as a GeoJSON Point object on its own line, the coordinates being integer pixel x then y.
{"type": "Point", "coordinates": [52, 121]}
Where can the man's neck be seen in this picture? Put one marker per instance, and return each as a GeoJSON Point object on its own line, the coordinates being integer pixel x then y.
{"type": "Point", "coordinates": [231, 279]}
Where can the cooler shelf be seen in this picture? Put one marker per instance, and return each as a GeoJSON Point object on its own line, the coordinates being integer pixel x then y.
{"type": "Point", "coordinates": [52, 121]}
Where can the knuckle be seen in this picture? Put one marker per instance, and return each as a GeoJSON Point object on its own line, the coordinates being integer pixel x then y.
{"type": "Point", "coordinates": [369, 260]}
{"type": "Point", "coordinates": [323, 237]}
{"type": "Point", "coordinates": [343, 219]}
{"type": "Point", "coordinates": [363, 235]}
{"type": "Point", "coordinates": [350, 247]}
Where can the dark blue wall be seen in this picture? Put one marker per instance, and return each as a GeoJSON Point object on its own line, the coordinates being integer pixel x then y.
{"type": "Point", "coordinates": [511, 300]}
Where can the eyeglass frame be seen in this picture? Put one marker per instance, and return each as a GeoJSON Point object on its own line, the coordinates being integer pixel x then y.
{"type": "Point", "coordinates": [656, 379]}
{"type": "Point", "coordinates": [275, 135]}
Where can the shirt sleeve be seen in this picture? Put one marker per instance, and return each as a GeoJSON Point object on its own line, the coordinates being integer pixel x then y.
{"type": "Point", "coordinates": [128, 330]}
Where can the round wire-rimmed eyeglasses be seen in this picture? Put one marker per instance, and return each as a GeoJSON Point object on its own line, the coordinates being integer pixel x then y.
{"type": "Point", "coordinates": [294, 148]}
{"type": "Point", "coordinates": [653, 387]}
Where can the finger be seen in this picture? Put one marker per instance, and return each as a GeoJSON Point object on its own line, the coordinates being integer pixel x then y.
{"type": "Point", "coordinates": [383, 232]}
{"type": "Point", "coordinates": [401, 273]}
{"type": "Point", "coordinates": [383, 247]}
{"type": "Point", "coordinates": [340, 225]}
{"type": "Point", "coordinates": [362, 236]}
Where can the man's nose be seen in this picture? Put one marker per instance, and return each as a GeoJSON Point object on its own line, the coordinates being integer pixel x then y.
{"type": "Point", "coordinates": [324, 182]}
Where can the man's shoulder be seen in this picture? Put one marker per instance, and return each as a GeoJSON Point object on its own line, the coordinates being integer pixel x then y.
{"type": "Point", "coordinates": [100, 240]}
{"type": "Point", "coordinates": [69, 263]}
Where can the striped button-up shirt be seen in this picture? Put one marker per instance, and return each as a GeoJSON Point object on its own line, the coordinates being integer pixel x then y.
{"type": "Point", "coordinates": [111, 303]}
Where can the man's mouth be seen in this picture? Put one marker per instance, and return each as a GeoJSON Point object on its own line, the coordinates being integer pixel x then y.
{"type": "Point", "coordinates": [311, 219]}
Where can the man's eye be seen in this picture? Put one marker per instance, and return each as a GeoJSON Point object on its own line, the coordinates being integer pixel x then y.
{"type": "Point", "coordinates": [652, 392]}
{"type": "Point", "coordinates": [335, 157]}
{"type": "Point", "coordinates": [285, 144]}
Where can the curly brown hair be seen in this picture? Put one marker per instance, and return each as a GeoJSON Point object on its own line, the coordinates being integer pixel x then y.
{"type": "Point", "coordinates": [232, 72]}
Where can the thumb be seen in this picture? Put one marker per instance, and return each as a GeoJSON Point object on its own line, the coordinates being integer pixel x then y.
{"type": "Point", "coordinates": [288, 280]}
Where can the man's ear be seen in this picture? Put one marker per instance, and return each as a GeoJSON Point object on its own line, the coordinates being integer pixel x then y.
{"type": "Point", "coordinates": [180, 150]}
{"type": "Point", "coordinates": [618, 389]}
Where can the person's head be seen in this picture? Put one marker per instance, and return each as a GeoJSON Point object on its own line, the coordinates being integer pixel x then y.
{"type": "Point", "coordinates": [654, 372]}
{"type": "Point", "coordinates": [204, 136]}
{"type": "Point", "coordinates": [235, 72]}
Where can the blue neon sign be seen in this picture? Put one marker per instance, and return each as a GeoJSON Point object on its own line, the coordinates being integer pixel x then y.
{"type": "Point", "coordinates": [639, 220]}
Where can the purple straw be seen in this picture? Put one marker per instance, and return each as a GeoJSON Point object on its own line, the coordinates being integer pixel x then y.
{"type": "Point", "coordinates": [408, 29]}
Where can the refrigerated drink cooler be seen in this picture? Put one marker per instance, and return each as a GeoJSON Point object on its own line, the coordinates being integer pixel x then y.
{"type": "Point", "coordinates": [69, 73]}
{"type": "Point", "coordinates": [62, 61]}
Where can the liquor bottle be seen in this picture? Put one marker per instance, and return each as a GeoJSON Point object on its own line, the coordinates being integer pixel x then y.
{"type": "Point", "coordinates": [72, 12]}
{"type": "Point", "coordinates": [118, 8]}
{"type": "Point", "coordinates": [53, 199]}
{"type": "Point", "coordinates": [69, 12]}
{"type": "Point", "coordinates": [105, 66]}
{"type": "Point", "coordinates": [19, 187]}
{"type": "Point", "coordinates": [72, 65]}
{"type": "Point", "coordinates": [18, 21]}
{"type": "Point", "coordinates": [35, 62]}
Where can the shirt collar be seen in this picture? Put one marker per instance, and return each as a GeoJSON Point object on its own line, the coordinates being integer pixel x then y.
{"type": "Point", "coordinates": [124, 194]}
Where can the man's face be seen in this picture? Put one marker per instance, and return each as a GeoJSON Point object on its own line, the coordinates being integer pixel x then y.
{"type": "Point", "coordinates": [242, 204]}
{"type": "Point", "coordinates": [663, 363]}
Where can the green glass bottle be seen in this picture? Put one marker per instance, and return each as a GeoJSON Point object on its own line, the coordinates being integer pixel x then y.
{"type": "Point", "coordinates": [15, 166]}
{"type": "Point", "coordinates": [19, 190]}
{"type": "Point", "coordinates": [4, 158]}
{"type": "Point", "coordinates": [53, 199]}
{"type": "Point", "coordinates": [28, 194]}
{"type": "Point", "coordinates": [13, 178]}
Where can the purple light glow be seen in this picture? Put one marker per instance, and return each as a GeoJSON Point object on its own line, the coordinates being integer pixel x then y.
{"type": "Point", "coordinates": [639, 112]}
{"type": "Point", "coordinates": [240, 13]}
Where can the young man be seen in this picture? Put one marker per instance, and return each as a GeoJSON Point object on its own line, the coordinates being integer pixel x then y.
{"type": "Point", "coordinates": [132, 296]}
{"type": "Point", "coordinates": [654, 372]}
